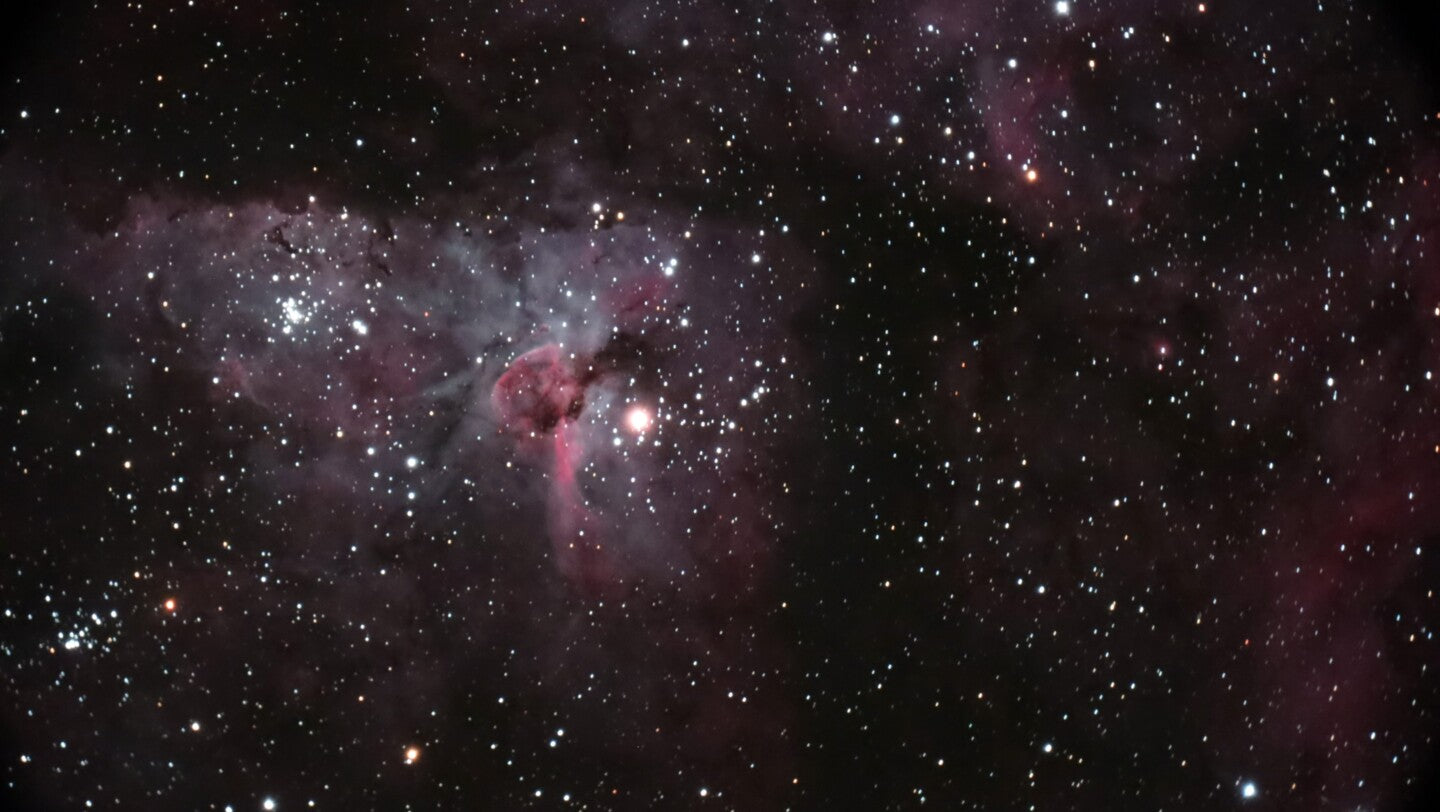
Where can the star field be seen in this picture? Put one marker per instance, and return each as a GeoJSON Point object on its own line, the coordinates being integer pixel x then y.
{"type": "Point", "coordinates": [785, 404]}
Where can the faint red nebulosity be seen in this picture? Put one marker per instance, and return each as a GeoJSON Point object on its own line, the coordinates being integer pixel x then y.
{"type": "Point", "coordinates": [538, 400]}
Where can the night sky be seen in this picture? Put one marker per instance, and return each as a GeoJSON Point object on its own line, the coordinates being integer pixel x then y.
{"type": "Point", "coordinates": [778, 404]}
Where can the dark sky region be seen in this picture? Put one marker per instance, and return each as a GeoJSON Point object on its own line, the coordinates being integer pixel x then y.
{"type": "Point", "coordinates": [778, 404]}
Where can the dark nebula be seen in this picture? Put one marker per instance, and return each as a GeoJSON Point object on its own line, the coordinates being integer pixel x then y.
{"type": "Point", "coordinates": [538, 392]}
{"type": "Point", "coordinates": [779, 404]}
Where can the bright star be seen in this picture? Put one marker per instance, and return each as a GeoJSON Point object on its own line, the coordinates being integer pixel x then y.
{"type": "Point", "coordinates": [637, 419]}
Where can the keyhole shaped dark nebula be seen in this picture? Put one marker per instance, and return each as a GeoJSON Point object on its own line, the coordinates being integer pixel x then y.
{"type": "Point", "coordinates": [537, 393]}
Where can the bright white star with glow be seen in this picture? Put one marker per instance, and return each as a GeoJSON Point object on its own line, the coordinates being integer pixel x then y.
{"type": "Point", "coordinates": [637, 419]}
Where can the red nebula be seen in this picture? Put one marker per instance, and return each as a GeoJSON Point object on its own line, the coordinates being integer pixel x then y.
{"type": "Point", "coordinates": [543, 394]}
{"type": "Point", "coordinates": [576, 532]}
{"type": "Point", "coordinates": [539, 390]}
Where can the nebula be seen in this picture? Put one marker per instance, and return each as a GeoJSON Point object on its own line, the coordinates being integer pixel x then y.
{"type": "Point", "coordinates": [538, 400]}
{"type": "Point", "coordinates": [538, 393]}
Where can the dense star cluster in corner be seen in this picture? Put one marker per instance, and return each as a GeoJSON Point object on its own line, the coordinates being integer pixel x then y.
{"type": "Point", "coordinates": [772, 405]}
